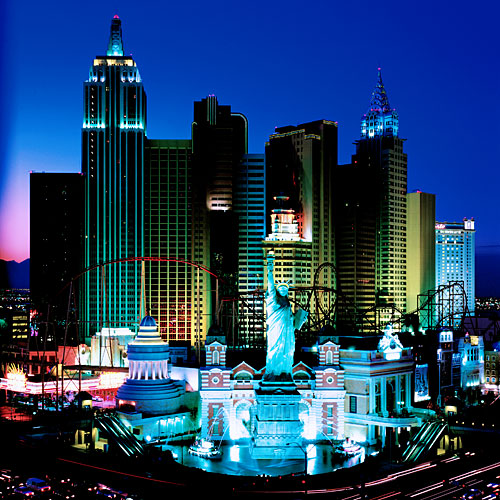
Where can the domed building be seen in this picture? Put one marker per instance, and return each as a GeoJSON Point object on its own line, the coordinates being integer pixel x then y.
{"type": "Point", "coordinates": [152, 403]}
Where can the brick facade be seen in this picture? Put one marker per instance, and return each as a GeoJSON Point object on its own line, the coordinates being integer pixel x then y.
{"type": "Point", "coordinates": [228, 395]}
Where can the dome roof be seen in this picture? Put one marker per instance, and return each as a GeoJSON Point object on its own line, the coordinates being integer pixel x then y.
{"type": "Point", "coordinates": [148, 321]}
{"type": "Point", "coordinates": [147, 336]}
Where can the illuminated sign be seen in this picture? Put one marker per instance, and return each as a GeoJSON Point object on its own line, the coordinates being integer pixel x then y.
{"type": "Point", "coordinates": [19, 383]}
{"type": "Point", "coordinates": [16, 382]}
{"type": "Point", "coordinates": [421, 383]}
{"type": "Point", "coordinates": [111, 380]}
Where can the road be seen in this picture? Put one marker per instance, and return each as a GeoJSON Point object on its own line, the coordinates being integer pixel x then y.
{"type": "Point", "coordinates": [465, 476]}
{"type": "Point", "coordinates": [439, 479]}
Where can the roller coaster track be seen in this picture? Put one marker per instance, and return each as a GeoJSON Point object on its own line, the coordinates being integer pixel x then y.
{"type": "Point", "coordinates": [445, 307]}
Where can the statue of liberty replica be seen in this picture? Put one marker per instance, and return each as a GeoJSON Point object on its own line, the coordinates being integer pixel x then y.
{"type": "Point", "coordinates": [281, 324]}
{"type": "Point", "coordinates": [277, 424]}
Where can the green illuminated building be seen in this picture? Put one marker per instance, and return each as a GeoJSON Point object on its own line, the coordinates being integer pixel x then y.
{"type": "Point", "coordinates": [113, 135]}
{"type": "Point", "coordinates": [176, 292]}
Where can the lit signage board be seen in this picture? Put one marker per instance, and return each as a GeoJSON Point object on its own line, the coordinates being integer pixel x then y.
{"type": "Point", "coordinates": [16, 382]}
{"type": "Point", "coordinates": [111, 380]}
{"type": "Point", "coordinates": [421, 383]}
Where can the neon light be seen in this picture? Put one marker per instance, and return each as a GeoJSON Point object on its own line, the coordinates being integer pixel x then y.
{"type": "Point", "coordinates": [16, 382]}
{"type": "Point", "coordinates": [111, 380]}
{"type": "Point", "coordinates": [138, 126]}
{"type": "Point", "coordinates": [94, 125]}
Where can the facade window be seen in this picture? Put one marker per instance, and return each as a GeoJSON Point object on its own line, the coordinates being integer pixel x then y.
{"type": "Point", "coordinates": [216, 358]}
{"type": "Point", "coordinates": [378, 398]}
{"type": "Point", "coordinates": [329, 357]}
{"type": "Point", "coordinates": [353, 404]}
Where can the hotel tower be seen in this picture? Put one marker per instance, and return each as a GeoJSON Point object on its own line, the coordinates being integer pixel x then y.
{"type": "Point", "coordinates": [113, 135]}
{"type": "Point", "coordinates": [370, 218]}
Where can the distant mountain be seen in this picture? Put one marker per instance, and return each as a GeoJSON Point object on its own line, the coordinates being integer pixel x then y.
{"type": "Point", "coordinates": [14, 274]}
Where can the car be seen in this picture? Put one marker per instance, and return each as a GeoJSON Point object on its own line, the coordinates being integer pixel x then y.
{"type": "Point", "coordinates": [24, 490]}
{"type": "Point", "coordinates": [472, 493]}
{"type": "Point", "coordinates": [38, 484]}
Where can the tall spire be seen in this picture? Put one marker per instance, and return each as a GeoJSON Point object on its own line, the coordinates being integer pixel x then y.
{"type": "Point", "coordinates": [380, 119]}
{"type": "Point", "coordinates": [379, 101]}
{"type": "Point", "coordinates": [115, 45]}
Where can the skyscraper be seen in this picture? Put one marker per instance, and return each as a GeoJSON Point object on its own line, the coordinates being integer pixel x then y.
{"type": "Point", "coordinates": [421, 247]}
{"type": "Point", "coordinates": [113, 134]}
{"type": "Point", "coordinates": [168, 236]}
{"type": "Point", "coordinates": [370, 217]}
{"type": "Point", "coordinates": [220, 141]}
{"type": "Point", "coordinates": [250, 209]}
{"type": "Point", "coordinates": [455, 257]}
{"type": "Point", "coordinates": [56, 210]}
{"type": "Point", "coordinates": [293, 254]}
{"type": "Point", "coordinates": [299, 165]}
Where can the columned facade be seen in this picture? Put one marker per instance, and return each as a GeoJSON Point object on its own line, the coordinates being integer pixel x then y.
{"type": "Point", "coordinates": [379, 392]}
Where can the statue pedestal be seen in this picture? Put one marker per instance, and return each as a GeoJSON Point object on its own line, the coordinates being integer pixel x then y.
{"type": "Point", "coordinates": [277, 430]}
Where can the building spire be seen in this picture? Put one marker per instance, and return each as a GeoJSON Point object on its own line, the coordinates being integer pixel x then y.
{"type": "Point", "coordinates": [379, 101]}
{"type": "Point", "coordinates": [380, 119]}
{"type": "Point", "coordinates": [115, 45]}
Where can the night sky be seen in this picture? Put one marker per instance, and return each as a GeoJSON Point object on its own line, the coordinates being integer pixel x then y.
{"type": "Point", "coordinates": [279, 63]}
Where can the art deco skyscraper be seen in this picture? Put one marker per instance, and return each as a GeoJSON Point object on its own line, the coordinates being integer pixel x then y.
{"type": "Point", "coordinates": [114, 129]}
{"type": "Point", "coordinates": [370, 216]}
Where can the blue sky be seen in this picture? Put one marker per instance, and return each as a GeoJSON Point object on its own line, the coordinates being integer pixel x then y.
{"type": "Point", "coordinates": [279, 63]}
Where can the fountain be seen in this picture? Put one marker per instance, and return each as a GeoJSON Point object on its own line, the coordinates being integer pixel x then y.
{"type": "Point", "coordinates": [273, 420]}
{"type": "Point", "coordinates": [205, 447]}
